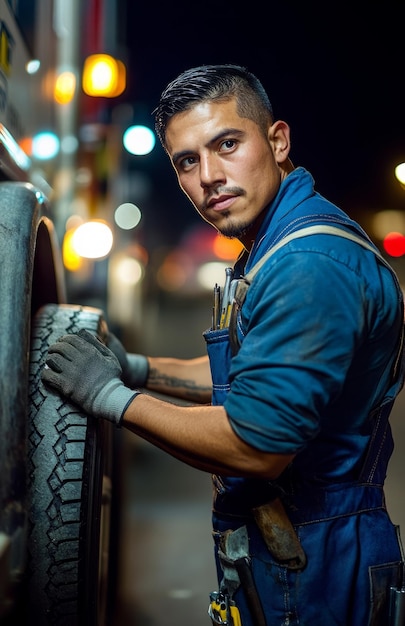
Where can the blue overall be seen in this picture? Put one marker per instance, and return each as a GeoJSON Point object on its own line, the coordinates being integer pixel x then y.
{"type": "Point", "coordinates": [333, 490]}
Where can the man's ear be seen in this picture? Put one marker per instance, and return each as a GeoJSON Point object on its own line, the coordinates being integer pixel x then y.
{"type": "Point", "coordinates": [279, 137]}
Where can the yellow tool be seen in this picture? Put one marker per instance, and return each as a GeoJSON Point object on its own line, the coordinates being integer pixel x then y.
{"type": "Point", "coordinates": [223, 611]}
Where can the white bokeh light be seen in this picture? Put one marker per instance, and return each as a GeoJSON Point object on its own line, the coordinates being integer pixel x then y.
{"type": "Point", "coordinates": [45, 145]}
{"type": "Point", "coordinates": [210, 273]}
{"type": "Point", "coordinates": [139, 140]}
{"type": "Point", "coordinates": [127, 215]}
{"type": "Point", "coordinates": [93, 240]}
{"type": "Point", "coordinates": [129, 271]}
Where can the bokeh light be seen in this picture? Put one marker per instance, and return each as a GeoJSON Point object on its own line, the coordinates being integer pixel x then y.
{"type": "Point", "coordinates": [400, 173]}
{"type": "Point", "coordinates": [394, 244]}
{"type": "Point", "coordinates": [65, 87]}
{"type": "Point", "coordinates": [93, 240]}
{"type": "Point", "coordinates": [127, 215]}
{"type": "Point", "coordinates": [45, 145]}
{"type": "Point", "coordinates": [71, 259]}
{"type": "Point", "coordinates": [129, 271]}
{"type": "Point", "coordinates": [225, 248]}
{"type": "Point", "coordinates": [210, 273]}
{"type": "Point", "coordinates": [139, 140]}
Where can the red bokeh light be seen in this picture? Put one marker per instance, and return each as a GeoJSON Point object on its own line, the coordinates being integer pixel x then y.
{"type": "Point", "coordinates": [394, 244]}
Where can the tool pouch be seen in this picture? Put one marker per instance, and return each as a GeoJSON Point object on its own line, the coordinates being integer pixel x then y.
{"type": "Point", "coordinates": [279, 534]}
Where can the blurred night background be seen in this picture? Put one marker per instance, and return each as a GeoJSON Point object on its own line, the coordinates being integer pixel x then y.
{"type": "Point", "coordinates": [335, 73]}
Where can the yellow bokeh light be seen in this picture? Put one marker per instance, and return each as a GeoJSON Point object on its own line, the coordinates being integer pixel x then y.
{"type": "Point", "coordinates": [226, 249]}
{"type": "Point", "coordinates": [103, 75]}
{"type": "Point", "coordinates": [71, 260]}
{"type": "Point", "coordinates": [400, 173]}
{"type": "Point", "coordinates": [65, 87]}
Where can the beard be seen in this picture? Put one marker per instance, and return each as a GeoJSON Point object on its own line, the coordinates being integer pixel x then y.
{"type": "Point", "coordinates": [233, 230]}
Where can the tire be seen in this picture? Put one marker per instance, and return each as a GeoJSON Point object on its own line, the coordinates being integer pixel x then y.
{"type": "Point", "coordinates": [31, 275]}
{"type": "Point", "coordinates": [70, 460]}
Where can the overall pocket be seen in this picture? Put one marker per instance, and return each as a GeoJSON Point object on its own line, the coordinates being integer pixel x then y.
{"type": "Point", "coordinates": [219, 353]}
{"type": "Point", "coordinates": [382, 579]}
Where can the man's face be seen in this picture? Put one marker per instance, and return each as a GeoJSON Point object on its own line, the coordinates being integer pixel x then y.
{"type": "Point", "coordinates": [225, 165]}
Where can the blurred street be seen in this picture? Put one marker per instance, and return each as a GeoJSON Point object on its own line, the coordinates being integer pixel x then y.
{"type": "Point", "coordinates": [167, 560]}
{"type": "Point", "coordinates": [167, 564]}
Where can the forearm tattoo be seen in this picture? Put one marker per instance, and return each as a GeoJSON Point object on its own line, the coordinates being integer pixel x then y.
{"type": "Point", "coordinates": [185, 388]}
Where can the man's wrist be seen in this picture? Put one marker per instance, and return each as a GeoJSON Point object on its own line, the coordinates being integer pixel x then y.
{"type": "Point", "coordinates": [135, 393]}
{"type": "Point", "coordinates": [112, 402]}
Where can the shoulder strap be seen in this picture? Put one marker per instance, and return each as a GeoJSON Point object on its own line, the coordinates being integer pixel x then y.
{"type": "Point", "coordinates": [323, 229]}
{"type": "Point", "coordinates": [317, 229]}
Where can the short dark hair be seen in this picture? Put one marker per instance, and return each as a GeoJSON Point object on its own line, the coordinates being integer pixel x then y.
{"type": "Point", "coordinates": [209, 83]}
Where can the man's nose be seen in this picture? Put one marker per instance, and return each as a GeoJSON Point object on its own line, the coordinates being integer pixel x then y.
{"type": "Point", "coordinates": [211, 170]}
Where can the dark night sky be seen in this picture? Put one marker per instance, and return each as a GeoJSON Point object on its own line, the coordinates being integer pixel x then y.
{"type": "Point", "coordinates": [335, 75]}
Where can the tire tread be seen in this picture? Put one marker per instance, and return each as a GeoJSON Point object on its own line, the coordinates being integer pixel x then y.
{"type": "Point", "coordinates": [58, 454]}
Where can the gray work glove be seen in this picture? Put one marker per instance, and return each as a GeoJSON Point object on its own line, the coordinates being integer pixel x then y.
{"type": "Point", "coordinates": [135, 367]}
{"type": "Point", "coordinates": [84, 370]}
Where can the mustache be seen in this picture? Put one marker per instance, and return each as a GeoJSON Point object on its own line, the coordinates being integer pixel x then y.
{"type": "Point", "coordinates": [234, 191]}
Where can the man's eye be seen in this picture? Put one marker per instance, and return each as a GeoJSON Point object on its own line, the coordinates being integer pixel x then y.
{"type": "Point", "coordinates": [228, 144]}
{"type": "Point", "coordinates": [187, 162]}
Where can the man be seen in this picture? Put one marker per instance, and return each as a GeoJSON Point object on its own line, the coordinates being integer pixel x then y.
{"type": "Point", "coordinates": [292, 403]}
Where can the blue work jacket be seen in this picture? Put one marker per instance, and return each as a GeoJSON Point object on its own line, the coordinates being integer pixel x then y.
{"type": "Point", "coordinates": [315, 375]}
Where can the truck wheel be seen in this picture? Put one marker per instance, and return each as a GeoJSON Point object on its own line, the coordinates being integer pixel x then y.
{"type": "Point", "coordinates": [70, 461]}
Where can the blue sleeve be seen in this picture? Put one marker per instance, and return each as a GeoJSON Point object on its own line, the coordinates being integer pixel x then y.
{"type": "Point", "coordinates": [305, 316]}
